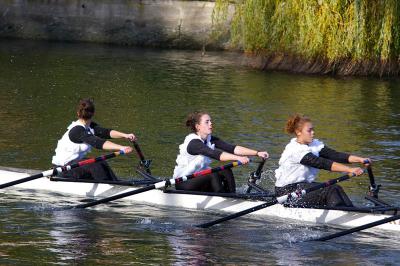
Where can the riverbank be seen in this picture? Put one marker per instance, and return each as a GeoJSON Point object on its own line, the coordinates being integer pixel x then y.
{"type": "Point", "coordinates": [318, 37]}
{"type": "Point", "coordinates": [146, 23]}
{"type": "Point", "coordinates": [347, 38]}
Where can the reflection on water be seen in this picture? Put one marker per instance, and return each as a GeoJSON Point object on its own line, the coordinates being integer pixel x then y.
{"type": "Point", "coordinates": [150, 92]}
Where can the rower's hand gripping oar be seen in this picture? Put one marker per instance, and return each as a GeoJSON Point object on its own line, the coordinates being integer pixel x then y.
{"type": "Point", "coordinates": [282, 199]}
{"type": "Point", "coordinates": [143, 162]}
{"type": "Point", "coordinates": [61, 169]}
{"type": "Point", "coordinates": [159, 185]}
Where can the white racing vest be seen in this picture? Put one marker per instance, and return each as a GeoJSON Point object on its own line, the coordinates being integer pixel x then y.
{"type": "Point", "coordinates": [67, 150]}
{"type": "Point", "coordinates": [186, 163]}
{"type": "Point", "coordinates": [290, 169]}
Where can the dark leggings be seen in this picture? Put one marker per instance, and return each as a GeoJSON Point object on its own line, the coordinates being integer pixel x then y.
{"type": "Point", "coordinates": [95, 171]}
{"type": "Point", "coordinates": [332, 196]}
{"type": "Point", "coordinates": [222, 181]}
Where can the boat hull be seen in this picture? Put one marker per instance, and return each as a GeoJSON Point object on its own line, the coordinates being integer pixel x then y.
{"type": "Point", "coordinates": [199, 202]}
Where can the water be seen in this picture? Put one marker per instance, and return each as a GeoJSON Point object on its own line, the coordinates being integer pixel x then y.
{"type": "Point", "coordinates": [149, 92]}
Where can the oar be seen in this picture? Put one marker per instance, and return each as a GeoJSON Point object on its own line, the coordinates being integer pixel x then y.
{"type": "Point", "coordinates": [358, 228]}
{"type": "Point", "coordinates": [254, 176]}
{"type": "Point", "coordinates": [282, 199]}
{"type": "Point", "coordinates": [61, 169]}
{"type": "Point", "coordinates": [158, 185]}
{"type": "Point", "coordinates": [374, 188]}
{"type": "Point", "coordinates": [145, 163]}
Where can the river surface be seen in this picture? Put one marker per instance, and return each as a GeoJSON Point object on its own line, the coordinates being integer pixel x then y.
{"type": "Point", "coordinates": [150, 92]}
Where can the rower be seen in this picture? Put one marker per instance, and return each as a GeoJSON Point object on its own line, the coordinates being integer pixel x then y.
{"type": "Point", "coordinates": [197, 150]}
{"type": "Point", "coordinates": [80, 137]}
{"type": "Point", "coordinates": [300, 163]}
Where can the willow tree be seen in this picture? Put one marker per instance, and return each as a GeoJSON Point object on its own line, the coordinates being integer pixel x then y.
{"type": "Point", "coordinates": [347, 37]}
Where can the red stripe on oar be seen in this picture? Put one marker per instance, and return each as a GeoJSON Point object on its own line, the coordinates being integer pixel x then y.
{"type": "Point", "coordinates": [88, 161]}
{"type": "Point", "coordinates": [204, 172]}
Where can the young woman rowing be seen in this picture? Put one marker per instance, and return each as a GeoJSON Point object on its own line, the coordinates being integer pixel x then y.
{"type": "Point", "coordinates": [81, 136]}
{"type": "Point", "coordinates": [197, 150]}
{"type": "Point", "coordinates": [301, 160]}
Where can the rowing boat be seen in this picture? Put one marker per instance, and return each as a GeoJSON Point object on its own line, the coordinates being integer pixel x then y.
{"type": "Point", "coordinates": [218, 202]}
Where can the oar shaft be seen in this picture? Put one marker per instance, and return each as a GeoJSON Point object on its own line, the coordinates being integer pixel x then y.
{"type": "Point", "coordinates": [199, 173]}
{"type": "Point", "coordinates": [138, 150]}
{"type": "Point", "coordinates": [358, 228]}
{"type": "Point", "coordinates": [26, 179]}
{"type": "Point", "coordinates": [238, 214]}
{"type": "Point", "coordinates": [159, 185]}
{"type": "Point", "coordinates": [281, 199]}
{"type": "Point", "coordinates": [371, 176]}
{"type": "Point", "coordinates": [97, 159]}
{"type": "Point", "coordinates": [115, 197]}
{"type": "Point", "coordinates": [300, 193]}
{"type": "Point", "coordinates": [259, 168]}
{"type": "Point", "coordinates": [143, 162]}
{"type": "Point", "coordinates": [61, 169]}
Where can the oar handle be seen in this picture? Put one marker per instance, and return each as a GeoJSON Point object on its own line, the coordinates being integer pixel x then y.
{"type": "Point", "coordinates": [60, 169]}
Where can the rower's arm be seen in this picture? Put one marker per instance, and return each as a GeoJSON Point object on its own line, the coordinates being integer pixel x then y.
{"type": "Point", "coordinates": [240, 150]}
{"type": "Point", "coordinates": [100, 132]}
{"type": "Point", "coordinates": [197, 147]}
{"type": "Point", "coordinates": [111, 146]}
{"type": "Point", "coordinates": [317, 162]}
{"type": "Point", "coordinates": [225, 156]}
{"type": "Point", "coordinates": [333, 155]}
{"type": "Point", "coordinates": [322, 163]}
{"type": "Point", "coordinates": [118, 135]}
{"type": "Point", "coordinates": [357, 159]}
{"type": "Point", "coordinates": [79, 135]}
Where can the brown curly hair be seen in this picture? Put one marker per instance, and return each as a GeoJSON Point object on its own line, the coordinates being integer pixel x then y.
{"type": "Point", "coordinates": [296, 122]}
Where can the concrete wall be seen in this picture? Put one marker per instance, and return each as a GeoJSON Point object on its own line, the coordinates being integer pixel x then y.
{"type": "Point", "coordinates": [158, 23]}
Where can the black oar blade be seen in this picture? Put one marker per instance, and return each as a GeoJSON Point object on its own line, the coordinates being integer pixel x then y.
{"type": "Point", "coordinates": [357, 229]}
{"type": "Point", "coordinates": [238, 214]}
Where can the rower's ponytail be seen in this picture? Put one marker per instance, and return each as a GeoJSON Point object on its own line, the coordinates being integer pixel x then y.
{"type": "Point", "coordinates": [296, 122]}
{"type": "Point", "coordinates": [193, 119]}
{"type": "Point", "coordinates": [85, 108]}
